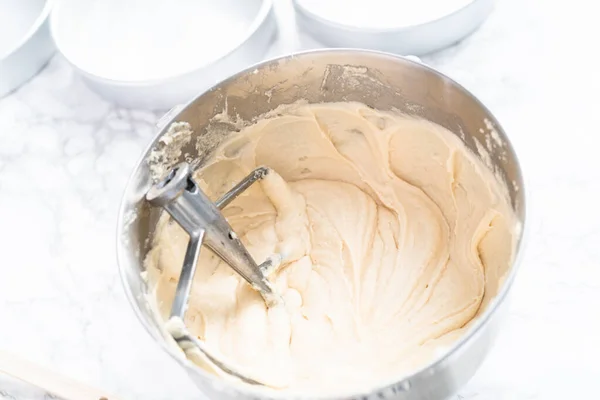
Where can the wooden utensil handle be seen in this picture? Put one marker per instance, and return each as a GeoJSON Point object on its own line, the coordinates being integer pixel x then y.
{"type": "Point", "coordinates": [53, 383]}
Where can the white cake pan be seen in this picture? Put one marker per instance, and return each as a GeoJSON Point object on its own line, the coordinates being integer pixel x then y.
{"type": "Point", "coordinates": [165, 92]}
{"type": "Point", "coordinates": [25, 43]}
{"type": "Point", "coordinates": [425, 36]}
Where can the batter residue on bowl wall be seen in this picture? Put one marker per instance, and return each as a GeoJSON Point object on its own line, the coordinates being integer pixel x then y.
{"type": "Point", "coordinates": [394, 237]}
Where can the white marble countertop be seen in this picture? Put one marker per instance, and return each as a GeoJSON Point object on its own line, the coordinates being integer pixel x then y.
{"type": "Point", "coordinates": [65, 155]}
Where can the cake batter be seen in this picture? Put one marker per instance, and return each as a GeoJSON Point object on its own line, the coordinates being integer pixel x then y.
{"type": "Point", "coordinates": [393, 236]}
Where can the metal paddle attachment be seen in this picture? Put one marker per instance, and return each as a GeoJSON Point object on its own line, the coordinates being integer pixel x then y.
{"type": "Point", "coordinates": [181, 197]}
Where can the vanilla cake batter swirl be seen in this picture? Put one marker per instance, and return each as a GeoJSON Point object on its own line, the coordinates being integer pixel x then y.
{"type": "Point", "coordinates": [394, 237]}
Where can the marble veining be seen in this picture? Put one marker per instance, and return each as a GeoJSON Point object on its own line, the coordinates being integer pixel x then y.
{"type": "Point", "coordinates": [65, 155]}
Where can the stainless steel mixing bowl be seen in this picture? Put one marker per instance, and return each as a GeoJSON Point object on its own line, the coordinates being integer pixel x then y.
{"type": "Point", "coordinates": [382, 81]}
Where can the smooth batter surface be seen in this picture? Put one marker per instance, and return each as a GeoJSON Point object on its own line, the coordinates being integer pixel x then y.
{"type": "Point", "coordinates": [394, 236]}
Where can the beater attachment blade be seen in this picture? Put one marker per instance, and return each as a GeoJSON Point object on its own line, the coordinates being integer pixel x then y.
{"type": "Point", "coordinates": [185, 202]}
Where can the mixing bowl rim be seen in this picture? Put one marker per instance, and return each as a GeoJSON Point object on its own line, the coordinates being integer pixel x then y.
{"type": "Point", "coordinates": [436, 364]}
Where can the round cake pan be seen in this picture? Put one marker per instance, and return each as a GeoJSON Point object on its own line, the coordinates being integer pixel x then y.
{"type": "Point", "coordinates": [425, 36]}
{"type": "Point", "coordinates": [385, 82]}
{"type": "Point", "coordinates": [166, 92]}
{"type": "Point", "coordinates": [25, 43]}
